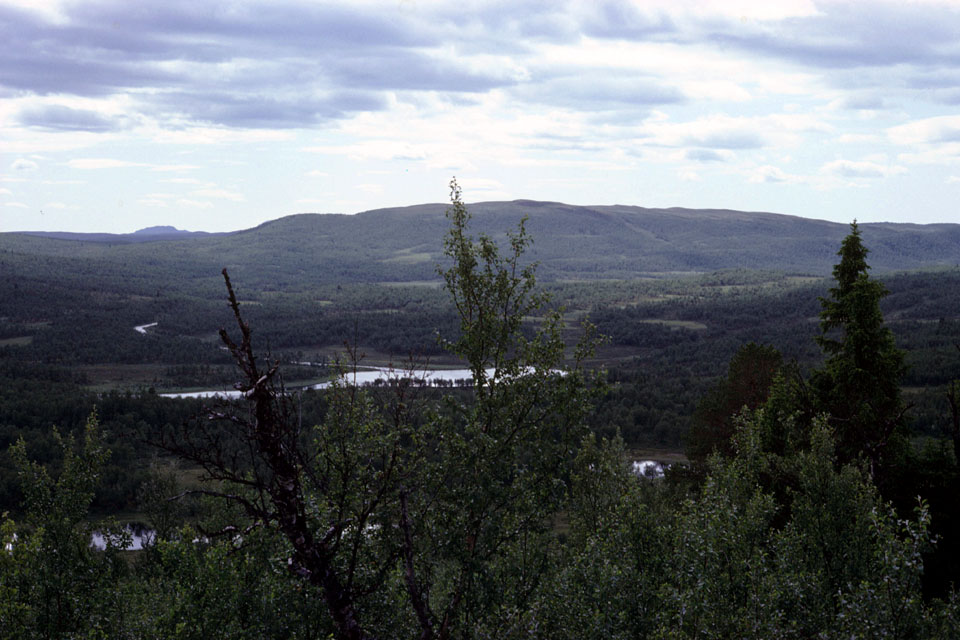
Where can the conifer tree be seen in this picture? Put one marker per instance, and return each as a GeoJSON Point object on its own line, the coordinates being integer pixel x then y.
{"type": "Point", "coordinates": [859, 384]}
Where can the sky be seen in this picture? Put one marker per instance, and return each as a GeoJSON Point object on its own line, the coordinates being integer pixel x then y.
{"type": "Point", "coordinates": [216, 116]}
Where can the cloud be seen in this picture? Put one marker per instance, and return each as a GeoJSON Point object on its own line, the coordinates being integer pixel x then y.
{"type": "Point", "coordinates": [18, 205]}
{"type": "Point", "coordinates": [22, 164]}
{"type": "Point", "coordinates": [769, 173]}
{"type": "Point", "coordinates": [102, 163]}
{"type": "Point", "coordinates": [239, 109]}
{"type": "Point", "coordinates": [927, 130]}
{"type": "Point", "coordinates": [185, 181]}
{"type": "Point", "coordinates": [59, 117]}
{"type": "Point", "coordinates": [713, 132]}
{"type": "Point", "coordinates": [152, 202]}
{"type": "Point", "coordinates": [841, 35]}
{"type": "Point", "coordinates": [628, 20]}
{"type": "Point", "coordinates": [850, 169]}
{"type": "Point", "coordinates": [5, 192]}
{"type": "Point", "coordinates": [219, 193]}
{"type": "Point", "coordinates": [706, 155]}
{"type": "Point", "coordinates": [195, 204]}
{"type": "Point", "coordinates": [284, 64]}
{"type": "Point", "coordinates": [174, 167]}
{"type": "Point", "coordinates": [860, 101]}
{"type": "Point", "coordinates": [605, 90]}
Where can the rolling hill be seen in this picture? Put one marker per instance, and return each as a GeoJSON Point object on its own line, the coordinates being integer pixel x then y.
{"type": "Point", "coordinates": [570, 242]}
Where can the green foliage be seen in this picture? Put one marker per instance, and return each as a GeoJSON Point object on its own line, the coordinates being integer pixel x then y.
{"type": "Point", "coordinates": [59, 585]}
{"type": "Point", "coordinates": [752, 371]}
{"type": "Point", "coordinates": [826, 559]}
{"type": "Point", "coordinates": [489, 511]}
{"type": "Point", "coordinates": [859, 385]}
{"type": "Point", "coordinates": [202, 590]}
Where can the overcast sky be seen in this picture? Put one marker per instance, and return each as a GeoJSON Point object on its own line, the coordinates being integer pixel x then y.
{"type": "Point", "coordinates": [216, 116]}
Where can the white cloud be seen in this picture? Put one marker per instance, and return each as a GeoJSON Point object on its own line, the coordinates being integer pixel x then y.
{"type": "Point", "coordinates": [18, 205]}
{"type": "Point", "coordinates": [174, 167]}
{"type": "Point", "coordinates": [218, 193]}
{"type": "Point", "coordinates": [22, 164]}
{"type": "Point", "coordinates": [152, 202]}
{"type": "Point", "coordinates": [50, 9]}
{"type": "Point", "coordinates": [196, 204]}
{"type": "Point", "coordinates": [102, 163]}
{"type": "Point", "coordinates": [217, 135]}
{"type": "Point", "coordinates": [947, 153]}
{"type": "Point", "coordinates": [864, 169]}
{"type": "Point", "coordinates": [186, 181]}
{"type": "Point", "coordinates": [858, 138]}
{"type": "Point", "coordinates": [721, 131]}
{"type": "Point", "coordinates": [926, 131]}
{"type": "Point", "coordinates": [770, 173]}
{"type": "Point", "coordinates": [5, 192]}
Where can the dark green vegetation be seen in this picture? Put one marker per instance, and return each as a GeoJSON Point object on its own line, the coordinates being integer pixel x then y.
{"type": "Point", "coordinates": [505, 510]}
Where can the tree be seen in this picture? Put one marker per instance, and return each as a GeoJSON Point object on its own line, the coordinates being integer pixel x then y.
{"type": "Point", "coordinates": [412, 519]}
{"type": "Point", "coordinates": [54, 583]}
{"type": "Point", "coordinates": [751, 373]}
{"type": "Point", "coordinates": [859, 384]}
{"type": "Point", "coordinates": [953, 397]}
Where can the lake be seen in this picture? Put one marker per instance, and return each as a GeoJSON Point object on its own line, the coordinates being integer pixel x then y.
{"type": "Point", "coordinates": [365, 376]}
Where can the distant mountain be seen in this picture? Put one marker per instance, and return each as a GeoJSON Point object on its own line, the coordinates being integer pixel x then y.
{"type": "Point", "coordinates": [149, 234]}
{"type": "Point", "coordinates": [570, 242]}
{"type": "Point", "coordinates": [165, 230]}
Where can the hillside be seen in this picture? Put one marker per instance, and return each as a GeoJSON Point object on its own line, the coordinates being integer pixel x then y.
{"type": "Point", "coordinates": [571, 242]}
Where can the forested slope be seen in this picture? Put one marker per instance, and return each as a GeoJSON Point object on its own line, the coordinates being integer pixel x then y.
{"type": "Point", "coordinates": [572, 242]}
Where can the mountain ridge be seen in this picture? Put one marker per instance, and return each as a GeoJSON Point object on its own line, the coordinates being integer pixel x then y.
{"type": "Point", "coordinates": [570, 242]}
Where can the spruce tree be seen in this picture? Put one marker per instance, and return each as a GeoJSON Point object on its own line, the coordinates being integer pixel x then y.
{"type": "Point", "coordinates": [859, 384]}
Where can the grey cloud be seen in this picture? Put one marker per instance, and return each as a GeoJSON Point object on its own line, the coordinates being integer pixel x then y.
{"type": "Point", "coordinates": [22, 164]}
{"type": "Point", "coordinates": [625, 19]}
{"type": "Point", "coordinates": [289, 52]}
{"type": "Point", "coordinates": [518, 20]}
{"type": "Point", "coordinates": [705, 155]}
{"type": "Point", "coordinates": [951, 96]}
{"type": "Point", "coordinates": [67, 119]}
{"type": "Point", "coordinates": [412, 70]}
{"type": "Point", "coordinates": [938, 79]}
{"type": "Point", "coordinates": [727, 140]}
{"type": "Point", "coordinates": [598, 90]}
{"type": "Point", "coordinates": [258, 111]}
{"type": "Point", "coordinates": [852, 35]}
{"type": "Point", "coordinates": [192, 26]}
{"type": "Point", "coordinates": [855, 169]}
{"type": "Point", "coordinates": [863, 101]}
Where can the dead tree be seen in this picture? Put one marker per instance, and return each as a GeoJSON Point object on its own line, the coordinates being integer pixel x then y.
{"type": "Point", "coordinates": [260, 460]}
